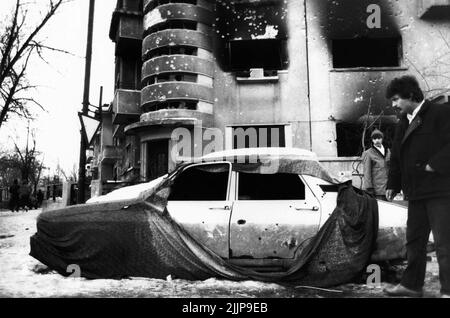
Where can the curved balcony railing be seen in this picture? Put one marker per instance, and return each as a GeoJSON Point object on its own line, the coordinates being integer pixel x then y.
{"type": "Point", "coordinates": [177, 63]}
{"type": "Point", "coordinates": [171, 117]}
{"type": "Point", "coordinates": [163, 92]}
{"type": "Point", "coordinates": [176, 37]}
{"type": "Point", "coordinates": [177, 11]}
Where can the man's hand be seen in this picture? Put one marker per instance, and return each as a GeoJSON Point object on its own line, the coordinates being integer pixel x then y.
{"type": "Point", "coordinates": [390, 194]}
{"type": "Point", "coordinates": [428, 168]}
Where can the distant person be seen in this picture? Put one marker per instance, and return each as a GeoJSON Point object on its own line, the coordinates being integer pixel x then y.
{"type": "Point", "coordinates": [375, 164]}
{"type": "Point", "coordinates": [54, 193]}
{"type": "Point", "coordinates": [14, 196]}
{"type": "Point", "coordinates": [24, 193]}
{"type": "Point", "coordinates": [40, 198]}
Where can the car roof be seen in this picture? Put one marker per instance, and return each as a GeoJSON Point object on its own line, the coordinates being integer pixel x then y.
{"type": "Point", "coordinates": [269, 161]}
{"type": "Point", "coordinates": [267, 152]}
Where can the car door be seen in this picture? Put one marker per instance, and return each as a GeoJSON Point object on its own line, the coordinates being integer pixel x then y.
{"type": "Point", "coordinates": [199, 201]}
{"type": "Point", "coordinates": [273, 216]}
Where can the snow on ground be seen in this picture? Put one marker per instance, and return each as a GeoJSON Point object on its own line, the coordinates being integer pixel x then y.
{"type": "Point", "coordinates": [23, 276]}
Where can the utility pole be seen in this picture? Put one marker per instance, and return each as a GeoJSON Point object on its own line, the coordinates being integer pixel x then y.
{"type": "Point", "coordinates": [87, 82]}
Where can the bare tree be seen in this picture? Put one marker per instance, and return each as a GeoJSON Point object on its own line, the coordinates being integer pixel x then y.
{"type": "Point", "coordinates": [29, 164]}
{"type": "Point", "coordinates": [17, 46]}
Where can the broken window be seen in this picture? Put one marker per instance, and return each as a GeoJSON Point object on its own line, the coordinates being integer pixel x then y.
{"type": "Point", "coordinates": [258, 136]}
{"type": "Point", "coordinates": [279, 186]}
{"type": "Point", "coordinates": [366, 52]}
{"type": "Point", "coordinates": [269, 54]}
{"type": "Point", "coordinates": [201, 183]}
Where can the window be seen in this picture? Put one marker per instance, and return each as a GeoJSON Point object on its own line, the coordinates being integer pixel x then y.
{"type": "Point", "coordinates": [201, 183]}
{"type": "Point", "coordinates": [269, 54]}
{"type": "Point", "coordinates": [366, 52]}
{"type": "Point", "coordinates": [279, 186]}
{"type": "Point", "coordinates": [258, 136]}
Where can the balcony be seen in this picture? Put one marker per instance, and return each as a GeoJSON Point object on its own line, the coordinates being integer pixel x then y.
{"type": "Point", "coordinates": [171, 118]}
{"type": "Point", "coordinates": [126, 106]}
{"type": "Point", "coordinates": [170, 91]}
{"type": "Point", "coordinates": [126, 30]}
{"type": "Point", "coordinates": [177, 63]}
{"type": "Point", "coordinates": [110, 154]}
{"type": "Point", "coordinates": [177, 11]}
{"type": "Point", "coordinates": [176, 37]}
{"type": "Point", "coordinates": [434, 9]}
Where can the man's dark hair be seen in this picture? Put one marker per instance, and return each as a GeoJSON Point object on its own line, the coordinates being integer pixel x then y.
{"type": "Point", "coordinates": [406, 87]}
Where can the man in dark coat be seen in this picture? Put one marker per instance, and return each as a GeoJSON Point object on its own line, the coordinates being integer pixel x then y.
{"type": "Point", "coordinates": [14, 196]}
{"type": "Point", "coordinates": [420, 166]}
{"type": "Point", "coordinates": [375, 164]}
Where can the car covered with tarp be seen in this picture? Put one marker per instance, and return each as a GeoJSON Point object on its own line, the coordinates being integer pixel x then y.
{"type": "Point", "coordinates": [268, 214]}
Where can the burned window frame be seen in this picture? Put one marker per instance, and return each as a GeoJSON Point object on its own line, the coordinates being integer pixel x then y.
{"type": "Point", "coordinates": [349, 63]}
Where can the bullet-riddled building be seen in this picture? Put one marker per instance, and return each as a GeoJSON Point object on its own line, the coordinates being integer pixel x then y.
{"type": "Point", "coordinates": [300, 73]}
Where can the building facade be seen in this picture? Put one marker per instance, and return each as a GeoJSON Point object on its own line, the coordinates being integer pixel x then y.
{"type": "Point", "coordinates": [291, 73]}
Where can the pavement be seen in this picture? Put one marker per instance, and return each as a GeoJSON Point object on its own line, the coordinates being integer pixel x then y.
{"type": "Point", "coordinates": [23, 276]}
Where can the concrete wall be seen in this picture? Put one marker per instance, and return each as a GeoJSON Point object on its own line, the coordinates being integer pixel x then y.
{"type": "Point", "coordinates": [335, 94]}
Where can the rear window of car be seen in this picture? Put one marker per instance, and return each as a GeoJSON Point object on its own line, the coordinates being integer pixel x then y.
{"type": "Point", "coordinates": [279, 186]}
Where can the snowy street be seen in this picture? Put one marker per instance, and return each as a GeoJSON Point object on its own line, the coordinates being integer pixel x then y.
{"type": "Point", "coordinates": [23, 276]}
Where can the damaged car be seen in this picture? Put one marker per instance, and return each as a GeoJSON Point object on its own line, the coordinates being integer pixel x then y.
{"type": "Point", "coordinates": [272, 214]}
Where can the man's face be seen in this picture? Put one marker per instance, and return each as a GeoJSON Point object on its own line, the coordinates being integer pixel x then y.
{"type": "Point", "coordinates": [402, 105]}
{"type": "Point", "coordinates": [377, 141]}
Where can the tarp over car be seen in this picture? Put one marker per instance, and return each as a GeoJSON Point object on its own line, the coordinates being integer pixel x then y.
{"type": "Point", "coordinates": [139, 238]}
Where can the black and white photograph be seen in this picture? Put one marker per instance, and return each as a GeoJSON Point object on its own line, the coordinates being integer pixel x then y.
{"type": "Point", "coordinates": [225, 153]}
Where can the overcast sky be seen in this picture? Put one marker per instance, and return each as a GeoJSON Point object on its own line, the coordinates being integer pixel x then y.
{"type": "Point", "coordinates": [61, 83]}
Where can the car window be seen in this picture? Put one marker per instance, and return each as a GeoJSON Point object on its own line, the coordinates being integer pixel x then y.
{"type": "Point", "coordinates": [279, 186]}
{"type": "Point", "coordinates": [201, 183]}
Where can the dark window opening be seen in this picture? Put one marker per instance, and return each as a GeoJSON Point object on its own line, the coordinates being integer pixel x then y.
{"type": "Point", "coordinates": [279, 186]}
{"type": "Point", "coordinates": [170, 77]}
{"type": "Point", "coordinates": [157, 158]}
{"type": "Point", "coordinates": [157, 3]}
{"type": "Point", "coordinates": [201, 183]}
{"type": "Point", "coordinates": [349, 138]}
{"type": "Point", "coordinates": [171, 50]}
{"type": "Point", "coordinates": [366, 52]}
{"type": "Point", "coordinates": [130, 5]}
{"type": "Point", "coordinates": [128, 73]}
{"type": "Point", "coordinates": [192, 105]}
{"type": "Point", "coordinates": [258, 136]}
{"type": "Point", "coordinates": [172, 24]}
{"type": "Point", "coordinates": [269, 54]}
